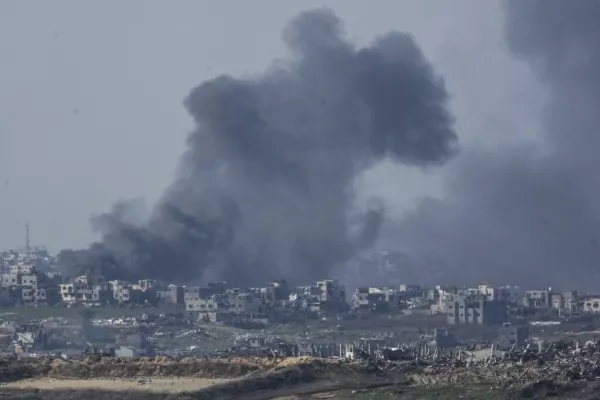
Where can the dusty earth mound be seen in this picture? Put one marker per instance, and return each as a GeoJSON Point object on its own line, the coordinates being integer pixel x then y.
{"type": "Point", "coordinates": [94, 368]}
{"type": "Point", "coordinates": [259, 378]}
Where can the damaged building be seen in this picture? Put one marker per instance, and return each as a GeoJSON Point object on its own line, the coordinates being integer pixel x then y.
{"type": "Point", "coordinates": [590, 304]}
{"type": "Point", "coordinates": [134, 345]}
{"type": "Point", "coordinates": [474, 309]}
{"type": "Point", "coordinates": [566, 302]}
{"type": "Point", "coordinates": [510, 336]}
{"type": "Point", "coordinates": [171, 295]}
{"type": "Point", "coordinates": [537, 299]}
{"type": "Point", "coordinates": [322, 350]}
{"type": "Point", "coordinates": [382, 300]}
{"type": "Point", "coordinates": [214, 307]}
{"type": "Point", "coordinates": [23, 284]}
{"type": "Point", "coordinates": [29, 337]}
{"type": "Point", "coordinates": [325, 295]}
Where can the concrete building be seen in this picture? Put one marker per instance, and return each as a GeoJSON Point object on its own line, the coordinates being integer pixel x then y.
{"type": "Point", "coordinates": [378, 302]}
{"type": "Point", "coordinates": [538, 299]}
{"type": "Point", "coordinates": [134, 345]}
{"type": "Point", "coordinates": [22, 269]}
{"type": "Point", "coordinates": [305, 292]}
{"type": "Point", "coordinates": [89, 280]}
{"type": "Point", "coordinates": [96, 295]}
{"type": "Point", "coordinates": [146, 284]}
{"type": "Point", "coordinates": [417, 290]}
{"type": "Point", "coordinates": [30, 337]}
{"type": "Point", "coordinates": [323, 350]}
{"type": "Point", "coordinates": [124, 293]}
{"type": "Point", "coordinates": [242, 303]}
{"type": "Point", "coordinates": [360, 299]}
{"type": "Point", "coordinates": [306, 299]}
{"type": "Point", "coordinates": [173, 294]}
{"type": "Point", "coordinates": [265, 295]}
{"type": "Point", "coordinates": [86, 291]}
{"type": "Point", "coordinates": [591, 304]}
{"type": "Point", "coordinates": [441, 291]}
{"type": "Point", "coordinates": [209, 316]}
{"type": "Point", "coordinates": [48, 296]}
{"type": "Point", "coordinates": [204, 304]}
{"type": "Point", "coordinates": [331, 291]}
{"type": "Point", "coordinates": [22, 284]}
{"type": "Point", "coordinates": [196, 292]}
{"type": "Point", "coordinates": [442, 304]}
{"type": "Point", "coordinates": [510, 336]}
{"type": "Point", "coordinates": [476, 310]}
{"type": "Point", "coordinates": [215, 306]}
{"type": "Point", "coordinates": [567, 302]}
{"type": "Point", "coordinates": [27, 295]}
{"type": "Point", "coordinates": [217, 287]}
{"type": "Point", "coordinates": [376, 299]}
{"type": "Point", "coordinates": [68, 293]}
{"type": "Point", "coordinates": [512, 295]}
{"type": "Point", "coordinates": [282, 290]}
{"type": "Point", "coordinates": [29, 280]}
{"type": "Point", "coordinates": [486, 290]}
{"type": "Point", "coordinates": [431, 295]}
{"type": "Point", "coordinates": [438, 338]}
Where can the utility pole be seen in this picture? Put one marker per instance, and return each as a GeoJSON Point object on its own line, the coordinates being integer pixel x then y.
{"type": "Point", "coordinates": [27, 243]}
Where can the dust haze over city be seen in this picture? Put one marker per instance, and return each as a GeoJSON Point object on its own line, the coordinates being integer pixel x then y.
{"type": "Point", "coordinates": [469, 137]}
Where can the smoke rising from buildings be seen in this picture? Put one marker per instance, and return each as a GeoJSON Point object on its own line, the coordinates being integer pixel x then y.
{"type": "Point", "coordinates": [530, 214]}
{"type": "Point", "coordinates": [265, 187]}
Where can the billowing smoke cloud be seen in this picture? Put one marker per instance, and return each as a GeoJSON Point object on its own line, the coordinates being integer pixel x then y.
{"type": "Point", "coordinates": [264, 189]}
{"type": "Point", "coordinates": [531, 214]}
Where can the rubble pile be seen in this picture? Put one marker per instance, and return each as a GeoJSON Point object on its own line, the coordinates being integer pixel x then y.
{"type": "Point", "coordinates": [561, 361]}
{"type": "Point", "coordinates": [124, 321]}
{"type": "Point", "coordinates": [192, 334]}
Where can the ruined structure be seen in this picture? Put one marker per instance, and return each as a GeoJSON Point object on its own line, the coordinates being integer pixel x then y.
{"type": "Point", "coordinates": [476, 310]}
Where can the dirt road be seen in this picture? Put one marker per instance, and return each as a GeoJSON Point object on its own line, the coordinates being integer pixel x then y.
{"type": "Point", "coordinates": [146, 384]}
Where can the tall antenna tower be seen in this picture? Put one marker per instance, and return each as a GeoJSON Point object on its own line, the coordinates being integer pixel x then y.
{"type": "Point", "coordinates": [27, 243]}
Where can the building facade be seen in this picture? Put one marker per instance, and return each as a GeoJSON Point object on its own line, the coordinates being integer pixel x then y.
{"type": "Point", "coordinates": [476, 310]}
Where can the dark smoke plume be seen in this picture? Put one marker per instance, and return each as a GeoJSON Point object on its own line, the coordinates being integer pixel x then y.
{"type": "Point", "coordinates": [531, 214]}
{"type": "Point", "coordinates": [264, 189]}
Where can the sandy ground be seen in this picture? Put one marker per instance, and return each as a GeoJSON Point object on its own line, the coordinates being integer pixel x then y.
{"type": "Point", "coordinates": [157, 384]}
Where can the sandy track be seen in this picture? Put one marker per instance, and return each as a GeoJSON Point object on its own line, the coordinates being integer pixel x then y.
{"type": "Point", "coordinates": [157, 384]}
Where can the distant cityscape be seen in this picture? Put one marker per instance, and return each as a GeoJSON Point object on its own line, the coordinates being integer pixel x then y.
{"type": "Point", "coordinates": [31, 278]}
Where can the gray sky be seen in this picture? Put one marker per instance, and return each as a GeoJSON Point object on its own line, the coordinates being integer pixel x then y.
{"type": "Point", "coordinates": [91, 94]}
